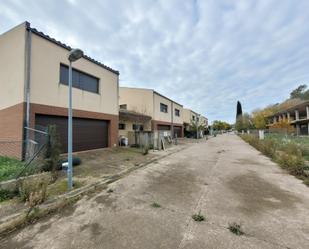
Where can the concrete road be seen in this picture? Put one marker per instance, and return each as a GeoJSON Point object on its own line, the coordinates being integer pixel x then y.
{"type": "Point", "coordinates": [224, 178]}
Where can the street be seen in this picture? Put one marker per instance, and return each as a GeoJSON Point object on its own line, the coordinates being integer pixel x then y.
{"type": "Point", "coordinates": [224, 179]}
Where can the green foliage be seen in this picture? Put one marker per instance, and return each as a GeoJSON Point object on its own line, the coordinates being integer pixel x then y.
{"type": "Point", "coordinates": [300, 92]}
{"type": "Point", "coordinates": [33, 188]}
{"type": "Point", "coordinates": [52, 153]}
{"type": "Point", "coordinates": [9, 168]}
{"type": "Point", "coordinates": [155, 205]}
{"type": "Point", "coordinates": [6, 194]}
{"type": "Point", "coordinates": [198, 217]}
{"type": "Point", "coordinates": [235, 228]}
{"type": "Point", "coordinates": [221, 125]}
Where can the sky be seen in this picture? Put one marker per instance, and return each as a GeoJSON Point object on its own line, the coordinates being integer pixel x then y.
{"type": "Point", "coordinates": [204, 54]}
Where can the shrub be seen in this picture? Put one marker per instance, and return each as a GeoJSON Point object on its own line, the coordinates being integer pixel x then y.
{"type": "Point", "coordinates": [155, 205]}
{"type": "Point", "coordinates": [52, 153]}
{"type": "Point", "coordinates": [294, 163]}
{"type": "Point", "coordinates": [6, 194]}
{"type": "Point", "coordinates": [198, 217]}
{"type": "Point", "coordinates": [235, 228]}
{"type": "Point", "coordinates": [30, 190]}
{"type": "Point", "coordinates": [9, 168]}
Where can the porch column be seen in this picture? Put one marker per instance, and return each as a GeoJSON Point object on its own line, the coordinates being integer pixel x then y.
{"type": "Point", "coordinates": [307, 111]}
{"type": "Point", "coordinates": [289, 117]}
{"type": "Point", "coordinates": [296, 114]}
{"type": "Point", "coordinates": [280, 118]}
{"type": "Point", "coordinates": [275, 120]}
{"type": "Point", "coordinates": [297, 129]}
{"type": "Point", "coordinates": [308, 128]}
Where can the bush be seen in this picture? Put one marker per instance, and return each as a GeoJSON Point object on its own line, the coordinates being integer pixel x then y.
{"type": "Point", "coordinates": [294, 163]}
{"type": "Point", "coordinates": [6, 194]}
{"type": "Point", "coordinates": [52, 153]}
{"type": "Point", "coordinates": [33, 189]}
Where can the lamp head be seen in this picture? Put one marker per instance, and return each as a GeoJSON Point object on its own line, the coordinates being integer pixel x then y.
{"type": "Point", "coordinates": [75, 54]}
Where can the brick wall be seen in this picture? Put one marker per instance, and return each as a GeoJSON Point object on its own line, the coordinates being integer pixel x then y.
{"type": "Point", "coordinates": [11, 130]}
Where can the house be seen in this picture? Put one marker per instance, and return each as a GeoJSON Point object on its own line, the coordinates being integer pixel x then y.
{"type": "Point", "coordinates": [34, 92]}
{"type": "Point", "coordinates": [164, 115]}
{"type": "Point", "coordinates": [191, 119]}
{"type": "Point", "coordinates": [297, 116]}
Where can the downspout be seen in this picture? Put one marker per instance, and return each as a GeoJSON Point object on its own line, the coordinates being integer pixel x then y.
{"type": "Point", "coordinates": [172, 119]}
{"type": "Point", "coordinates": [27, 88]}
{"type": "Point", "coordinates": [28, 76]}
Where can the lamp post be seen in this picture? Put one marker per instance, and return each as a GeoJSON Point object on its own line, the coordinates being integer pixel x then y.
{"type": "Point", "coordinates": [74, 55]}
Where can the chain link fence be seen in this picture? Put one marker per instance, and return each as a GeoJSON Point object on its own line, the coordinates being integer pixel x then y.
{"type": "Point", "coordinates": [23, 158]}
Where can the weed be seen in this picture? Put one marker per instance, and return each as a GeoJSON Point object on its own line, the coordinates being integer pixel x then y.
{"type": "Point", "coordinates": [235, 228]}
{"type": "Point", "coordinates": [198, 217]}
{"type": "Point", "coordinates": [6, 194]}
{"type": "Point", "coordinates": [110, 190]}
{"type": "Point", "coordinates": [155, 205]}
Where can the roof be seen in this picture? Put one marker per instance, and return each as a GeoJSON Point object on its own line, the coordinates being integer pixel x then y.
{"type": "Point", "coordinates": [63, 45]}
{"type": "Point", "coordinates": [132, 115]}
{"type": "Point", "coordinates": [298, 106]}
{"type": "Point", "coordinates": [149, 89]}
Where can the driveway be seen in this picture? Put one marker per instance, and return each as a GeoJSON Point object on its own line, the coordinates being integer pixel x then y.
{"type": "Point", "coordinates": [223, 178]}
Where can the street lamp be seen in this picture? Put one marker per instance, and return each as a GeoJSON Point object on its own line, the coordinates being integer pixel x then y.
{"type": "Point", "coordinates": [74, 55]}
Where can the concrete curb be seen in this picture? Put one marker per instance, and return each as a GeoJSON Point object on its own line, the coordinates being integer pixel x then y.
{"type": "Point", "coordinates": [9, 223]}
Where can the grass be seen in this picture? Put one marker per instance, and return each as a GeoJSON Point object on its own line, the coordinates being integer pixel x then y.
{"type": "Point", "coordinates": [61, 187]}
{"type": "Point", "coordinates": [198, 217]}
{"type": "Point", "coordinates": [155, 205]}
{"type": "Point", "coordinates": [289, 152]}
{"type": "Point", "coordinates": [235, 228]}
{"type": "Point", "coordinates": [9, 168]}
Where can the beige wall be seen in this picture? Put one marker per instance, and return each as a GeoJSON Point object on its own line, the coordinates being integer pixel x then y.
{"type": "Point", "coordinates": [139, 100]}
{"type": "Point", "coordinates": [12, 66]}
{"type": "Point", "coordinates": [176, 119]}
{"type": "Point", "coordinates": [128, 131]}
{"type": "Point", "coordinates": [186, 115]}
{"type": "Point", "coordinates": [158, 115]}
{"type": "Point", "coordinates": [45, 77]}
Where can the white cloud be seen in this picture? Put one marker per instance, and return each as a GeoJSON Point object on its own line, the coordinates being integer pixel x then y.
{"type": "Point", "coordinates": [204, 54]}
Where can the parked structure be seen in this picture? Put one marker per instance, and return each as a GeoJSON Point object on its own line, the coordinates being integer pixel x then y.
{"type": "Point", "coordinates": [297, 116]}
{"type": "Point", "coordinates": [34, 91]}
{"type": "Point", "coordinates": [165, 114]}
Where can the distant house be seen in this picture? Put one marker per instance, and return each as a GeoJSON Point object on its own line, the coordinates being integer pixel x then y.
{"type": "Point", "coordinates": [34, 92]}
{"type": "Point", "coordinates": [297, 116]}
{"type": "Point", "coordinates": [149, 111]}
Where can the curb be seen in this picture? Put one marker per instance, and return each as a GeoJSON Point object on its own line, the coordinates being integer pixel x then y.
{"type": "Point", "coordinates": [10, 223]}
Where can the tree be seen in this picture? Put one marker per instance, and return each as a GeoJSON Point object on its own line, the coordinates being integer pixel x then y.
{"type": "Point", "coordinates": [299, 92]}
{"type": "Point", "coordinates": [221, 125]}
{"type": "Point", "coordinates": [238, 110]}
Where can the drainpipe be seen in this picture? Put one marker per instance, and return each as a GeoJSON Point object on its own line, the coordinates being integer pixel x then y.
{"type": "Point", "coordinates": [26, 122]}
{"type": "Point", "coordinates": [172, 119]}
{"type": "Point", "coordinates": [28, 76]}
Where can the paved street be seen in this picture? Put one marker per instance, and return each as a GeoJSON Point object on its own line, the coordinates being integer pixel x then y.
{"type": "Point", "coordinates": [223, 178]}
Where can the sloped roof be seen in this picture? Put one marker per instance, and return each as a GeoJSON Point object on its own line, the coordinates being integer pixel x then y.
{"type": "Point", "coordinates": [65, 46]}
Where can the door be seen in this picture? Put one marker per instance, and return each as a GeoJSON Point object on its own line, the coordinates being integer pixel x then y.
{"type": "Point", "coordinates": [88, 134]}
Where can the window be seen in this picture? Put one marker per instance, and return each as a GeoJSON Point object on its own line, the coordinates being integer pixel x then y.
{"type": "Point", "coordinates": [163, 107]}
{"type": "Point", "coordinates": [124, 106]}
{"type": "Point", "coordinates": [80, 80]}
{"type": "Point", "coordinates": [137, 127]}
{"type": "Point", "coordinates": [177, 112]}
{"type": "Point", "coordinates": [193, 118]}
{"type": "Point", "coordinates": [122, 126]}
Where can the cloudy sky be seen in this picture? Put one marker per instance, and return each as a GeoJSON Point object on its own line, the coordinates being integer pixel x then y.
{"type": "Point", "coordinates": [205, 54]}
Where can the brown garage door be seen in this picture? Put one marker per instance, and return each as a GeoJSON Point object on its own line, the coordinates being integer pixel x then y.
{"type": "Point", "coordinates": [177, 130]}
{"type": "Point", "coordinates": [164, 127]}
{"type": "Point", "coordinates": [87, 133]}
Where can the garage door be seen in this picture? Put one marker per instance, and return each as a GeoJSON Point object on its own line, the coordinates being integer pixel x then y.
{"type": "Point", "coordinates": [87, 133]}
{"type": "Point", "coordinates": [177, 130]}
{"type": "Point", "coordinates": [164, 128]}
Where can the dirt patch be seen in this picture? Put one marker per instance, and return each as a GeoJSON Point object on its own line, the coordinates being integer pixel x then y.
{"type": "Point", "coordinates": [107, 200]}
{"type": "Point", "coordinates": [257, 195]}
{"type": "Point", "coordinates": [94, 228]}
{"type": "Point", "coordinates": [247, 161]}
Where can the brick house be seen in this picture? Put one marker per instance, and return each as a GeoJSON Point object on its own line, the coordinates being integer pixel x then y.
{"type": "Point", "coordinates": [34, 91]}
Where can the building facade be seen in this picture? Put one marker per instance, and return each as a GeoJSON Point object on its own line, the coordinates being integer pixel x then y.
{"type": "Point", "coordinates": [166, 114]}
{"type": "Point", "coordinates": [34, 91]}
{"type": "Point", "coordinates": [297, 116]}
